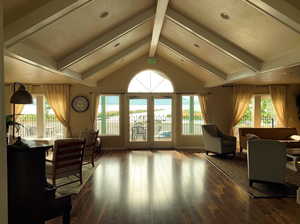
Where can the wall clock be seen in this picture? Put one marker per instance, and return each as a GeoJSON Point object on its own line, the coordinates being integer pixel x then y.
{"type": "Point", "coordinates": [80, 104]}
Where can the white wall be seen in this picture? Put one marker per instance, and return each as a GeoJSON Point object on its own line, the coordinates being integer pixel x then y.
{"type": "Point", "coordinates": [3, 156]}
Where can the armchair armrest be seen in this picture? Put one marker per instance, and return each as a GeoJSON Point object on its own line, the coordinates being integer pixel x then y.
{"type": "Point", "coordinates": [229, 138]}
{"type": "Point", "coordinates": [216, 138]}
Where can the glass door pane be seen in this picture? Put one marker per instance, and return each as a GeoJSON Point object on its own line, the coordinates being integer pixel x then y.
{"type": "Point", "coordinates": [138, 120]}
{"type": "Point", "coordinates": [162, 119]}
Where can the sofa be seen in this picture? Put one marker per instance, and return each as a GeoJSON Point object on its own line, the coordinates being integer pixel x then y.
{"type": "Point", "coordinates": [279, 134]}
{"type": "Point", "coordinates": [266, 161]}
{"type": "Point", "coordinates": [217, 142]}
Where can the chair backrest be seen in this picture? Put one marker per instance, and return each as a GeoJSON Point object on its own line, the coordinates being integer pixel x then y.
{"type": "Point", "coordinates": [68, 156]}
{"type": "Point", "coordinates": [90, 137]}
{"type": "Point", "coordinates": [210, 129]}
{"type": "Point", "coordinates": [266, 160]}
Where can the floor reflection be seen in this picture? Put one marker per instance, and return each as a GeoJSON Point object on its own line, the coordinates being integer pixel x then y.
{"type": "Point", "coordinates": [170, 187]}
{"type": "Point", "coordinates": [149, 179]}
{"type": "Point", "coordinates": [137, 190]}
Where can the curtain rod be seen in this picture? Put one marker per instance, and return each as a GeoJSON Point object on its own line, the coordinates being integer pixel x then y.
{"type": "Point", "coordinates": [177, 93]}
{"type": "Point", "coordinates": [8, 84]}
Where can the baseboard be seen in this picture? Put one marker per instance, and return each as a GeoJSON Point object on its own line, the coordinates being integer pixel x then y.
{"type": "Point", "coordinates": [190, 148]}
{"type": "Point", "coordinates": [114, 148]}
{"type": "Point", "coordinates": [178, 148]}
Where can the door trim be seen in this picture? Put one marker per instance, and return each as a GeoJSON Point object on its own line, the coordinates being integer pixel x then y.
{"type": "Point", "coordinates": [150, 144]}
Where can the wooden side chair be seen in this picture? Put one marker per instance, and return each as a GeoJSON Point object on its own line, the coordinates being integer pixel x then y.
{"type": "Point", "coordinates": [67, 160]}
{"type": "Point", "coordinates": [91, 143]}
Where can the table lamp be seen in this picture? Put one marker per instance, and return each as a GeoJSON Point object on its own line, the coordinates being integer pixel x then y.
{"type": "Point", "coordinates": [21, 96]}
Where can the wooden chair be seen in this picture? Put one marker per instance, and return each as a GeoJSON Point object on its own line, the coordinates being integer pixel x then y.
{"type": "Point", "coordinates": [91, 143]}
{"type": "Point", "coordinates": [67, 160]}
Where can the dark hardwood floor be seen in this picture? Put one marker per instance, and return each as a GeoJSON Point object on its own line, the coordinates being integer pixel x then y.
{"type": "Point", "coordinates": [170, 187]}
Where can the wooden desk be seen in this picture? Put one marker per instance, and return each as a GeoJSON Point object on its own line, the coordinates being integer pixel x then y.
{"type": "Point", "coordinates": [30, 200]}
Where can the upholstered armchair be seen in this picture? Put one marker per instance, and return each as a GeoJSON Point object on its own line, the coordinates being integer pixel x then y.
{"type": "Point", "coordinates": [217, 142]}
{"type": "Point", "coordinates": [91, 142]}
{"type": "Point", "coordinates": [266, 161]}
{"type": "Point", "coordinates": [67, 160]}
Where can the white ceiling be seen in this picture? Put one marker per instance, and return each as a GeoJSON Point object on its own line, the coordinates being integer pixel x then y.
{"type": "Point", "coordinates": [53, 41]}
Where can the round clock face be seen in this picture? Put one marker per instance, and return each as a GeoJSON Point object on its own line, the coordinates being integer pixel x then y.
{"type": "Point", "coordinates": [80, 104]}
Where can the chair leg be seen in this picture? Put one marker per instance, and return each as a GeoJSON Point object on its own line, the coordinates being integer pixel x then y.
{"type": "Point", "coordinates": [66, 217]}
{"type": "Point", "coordinates": [93, 160]}
{"type": "Point", "coordinates": [250, 183]}
{"type": "Point", "coordinates": [80, 176]}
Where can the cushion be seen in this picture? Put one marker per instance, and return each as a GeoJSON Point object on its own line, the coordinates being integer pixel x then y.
{"type": "Point", "coordinates": [295, 137]}
{"type": "Point", "coordinates": [251, 137]}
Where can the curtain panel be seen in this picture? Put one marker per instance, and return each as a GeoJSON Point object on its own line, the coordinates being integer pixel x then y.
{"type": "Point", "coordinates": [204, 108]}
{"type": "Point", "coordinates": [94, 111]}
{"type": "Point", "coordinates": [241, 99]}
{"type": "Point", "coordinates": [58, 97]}
{"type": "Point", "coordinates": [279, 100]}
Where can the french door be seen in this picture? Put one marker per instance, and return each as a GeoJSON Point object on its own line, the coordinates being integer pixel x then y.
{"type": "Point", "coordinates": [150, 121]}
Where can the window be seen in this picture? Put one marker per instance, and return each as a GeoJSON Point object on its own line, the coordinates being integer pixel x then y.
{"type": "Point", "coordinates": [53, 127]}
{"type": "Point", "coordinates": [39, 120]}
{"type": "Point", "coordinates": [191, 115]}
{"type": "Point", "coordinates": [150, 81]}
{"type": "Point", "coordinates": [108, 118]}
{"type": "Point", "coordinates": [28, 119]}
{"type": "Point", "coordinates": [260, 114]}
{"type": "Point", "coordinates": [268, 115]}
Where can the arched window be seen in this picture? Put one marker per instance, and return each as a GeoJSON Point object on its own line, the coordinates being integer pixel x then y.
{"type": "Point", "coordinates": [150, 81]}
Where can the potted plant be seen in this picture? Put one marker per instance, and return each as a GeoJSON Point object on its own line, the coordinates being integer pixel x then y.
{"type": "Point", "coordinates": [10, 122]}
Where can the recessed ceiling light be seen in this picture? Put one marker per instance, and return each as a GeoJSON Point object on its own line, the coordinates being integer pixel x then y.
{"type": "Point", "coordinates": [196, 45]}
{"type": "Point", "coordinates": [117, 44]}
{"type": "Point", "coordinates": [103, 14]}
{"type": "Point", "coordinates": [224, 16]}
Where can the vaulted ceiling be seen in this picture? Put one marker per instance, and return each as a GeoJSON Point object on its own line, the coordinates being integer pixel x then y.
{"type": "Point", "coordinates": [218, 42]}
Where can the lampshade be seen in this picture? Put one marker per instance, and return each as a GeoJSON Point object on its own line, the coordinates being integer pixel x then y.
{"type": "Point", "coordinates": [21, 96]}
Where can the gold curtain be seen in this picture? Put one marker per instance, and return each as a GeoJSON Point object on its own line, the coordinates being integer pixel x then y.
{"type": "Point", "coordinates": [279, 100]}
{"type": "Point", "coordinates": [58, 97]}
{"type": "Point", "coordinates": [94, 110]}
{"type": "Point", "coordinates": [19, 107]}
{"type": "Point", "coordinates": [203, 104]}
{"type": "Point", "coordinates": [241, 99]}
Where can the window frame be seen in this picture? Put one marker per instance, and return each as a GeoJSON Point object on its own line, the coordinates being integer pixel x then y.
{"type": "Point", "coordinates": [257, 112]}
{"type": "Point", "coordinates": [40, 118]}
{"type": "Point", "coordinates": [181, 116]}
{"type": "Point", "coordinates": [154, 72]}
{"type": "Point", "coordinates": [276, 121]}
{"type": "Point", "coordinates": [119, 120]}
